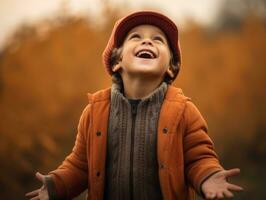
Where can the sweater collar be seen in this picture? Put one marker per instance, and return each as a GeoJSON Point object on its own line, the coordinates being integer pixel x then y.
{"type": "Point", "coordinates": [157, 95]}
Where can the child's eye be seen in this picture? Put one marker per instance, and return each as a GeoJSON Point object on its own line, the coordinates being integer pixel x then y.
{"type": "Point", "coordinates": [135, 35]}
{"type": "Point", "coordinates": [159, 38]}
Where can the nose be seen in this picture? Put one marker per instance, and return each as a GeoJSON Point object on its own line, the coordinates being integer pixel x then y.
{"type": "Point", "coordinates": [146, 41]}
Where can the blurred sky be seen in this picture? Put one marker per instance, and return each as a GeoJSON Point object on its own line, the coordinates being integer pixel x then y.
{"type": "Point", "coordinates": [16, 12]}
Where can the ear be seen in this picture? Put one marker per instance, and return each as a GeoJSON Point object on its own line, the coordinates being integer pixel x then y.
{"type": "Point", "coordinates": [170, 72]}
{"type": "Point", "coordinates": [116, 67]}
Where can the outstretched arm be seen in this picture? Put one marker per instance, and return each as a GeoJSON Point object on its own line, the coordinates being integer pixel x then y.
{"type": "Point", "coordinates": [217, 187]}
{"type": "Point", "coordinates": [201, 161]}
{"type": "Point", "coordinates": [70, 178]}
{"type": "Point", "coordinates": [203, 169]}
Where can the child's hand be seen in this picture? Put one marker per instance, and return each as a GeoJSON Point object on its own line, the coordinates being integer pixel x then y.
{"type": "Point", "coordinates": [41, 193]}
{"type": "Point", "coordinates": [217, 187]}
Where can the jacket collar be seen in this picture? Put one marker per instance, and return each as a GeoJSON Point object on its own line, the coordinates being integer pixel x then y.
{"type": "Point", "coordinates": [172, 94]}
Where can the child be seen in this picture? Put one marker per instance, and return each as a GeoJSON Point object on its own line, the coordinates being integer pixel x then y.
{"type": "Point", "coordinates": [142, 138]}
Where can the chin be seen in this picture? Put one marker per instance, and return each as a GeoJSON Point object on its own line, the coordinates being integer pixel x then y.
{"type": "Point", "coordinates": [146, 73]}
{"type": "Point", "coordinates": [144, 68]}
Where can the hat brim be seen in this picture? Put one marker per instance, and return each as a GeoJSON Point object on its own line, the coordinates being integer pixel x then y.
{"type": "Point", "coordinates": [146, 17]}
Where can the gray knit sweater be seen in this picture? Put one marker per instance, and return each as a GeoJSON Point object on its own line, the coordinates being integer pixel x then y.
{"type": "Point", "coordinates": [131, 165]}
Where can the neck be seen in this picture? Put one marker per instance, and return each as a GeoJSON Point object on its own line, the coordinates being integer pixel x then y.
{"type": "Point", "coordinates": [138, 88]}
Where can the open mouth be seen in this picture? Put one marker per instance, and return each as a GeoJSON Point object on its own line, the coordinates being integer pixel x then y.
{"type": "Point", "coordinates": [146, 53]}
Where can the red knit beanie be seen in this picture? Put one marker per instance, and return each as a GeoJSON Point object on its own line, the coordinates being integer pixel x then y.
{"type": "Point", "coordinates": [125, 24]}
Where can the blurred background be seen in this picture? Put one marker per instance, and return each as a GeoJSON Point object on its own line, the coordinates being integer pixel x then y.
{"type": "Point", "coordinates": [50, 58]}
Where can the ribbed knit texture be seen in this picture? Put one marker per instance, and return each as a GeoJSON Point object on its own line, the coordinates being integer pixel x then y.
{"type": "Point", "coordinates": [145, 166]}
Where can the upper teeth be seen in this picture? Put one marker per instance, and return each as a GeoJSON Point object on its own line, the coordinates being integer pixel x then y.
{"type": "Point", "coordinates": [145, 52]}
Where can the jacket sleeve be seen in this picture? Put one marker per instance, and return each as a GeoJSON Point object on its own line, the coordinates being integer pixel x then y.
{"type": "Point", "coordinates": [70, 178]}
{"type": "Point", "coordinates": [201, 161]}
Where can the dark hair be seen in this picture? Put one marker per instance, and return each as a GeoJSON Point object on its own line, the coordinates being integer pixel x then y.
{"type": "Point", "coordinates": [116, 56]}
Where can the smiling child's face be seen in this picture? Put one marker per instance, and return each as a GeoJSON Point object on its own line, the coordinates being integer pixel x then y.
{"type": "Point", "coordinates": [145, 52]}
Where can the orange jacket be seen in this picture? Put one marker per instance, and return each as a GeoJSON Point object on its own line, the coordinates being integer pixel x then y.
{"type": "Point", "coordinates": [185, 152]}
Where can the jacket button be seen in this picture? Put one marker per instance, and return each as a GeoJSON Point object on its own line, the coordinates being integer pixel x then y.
{"type": "Point", "coordinates": [98, 174]}
{"type": "Point", "coordinates": [161, 166]}
{"type": "Point", "coordinates": [98, 133]}
{"type": "Point", "coordinates": [165, 130]}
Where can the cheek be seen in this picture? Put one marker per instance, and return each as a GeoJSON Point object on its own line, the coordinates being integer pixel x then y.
{"type": "Point", "coordinates": [126, 54]}
{"type": "Point", "coordinates": [166, 58]}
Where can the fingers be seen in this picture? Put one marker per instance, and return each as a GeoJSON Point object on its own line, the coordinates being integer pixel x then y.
{"type": "Point", "coordinates": [223, 194]}
{"type": "Point", "coordinates": [40, 177]}
{"type": "Point", "coordinates": [210, 195]}
{"type": "Point", "coordinates": [228, 194]}
{"type": "Point", "coordinates": [220, 195]}
{"type": "Point", "coordinates": [33, 193]}
{"type": "Point", "coordinates": [232, 172]}
{"type": "Point", "coordinates": [234, 187]}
